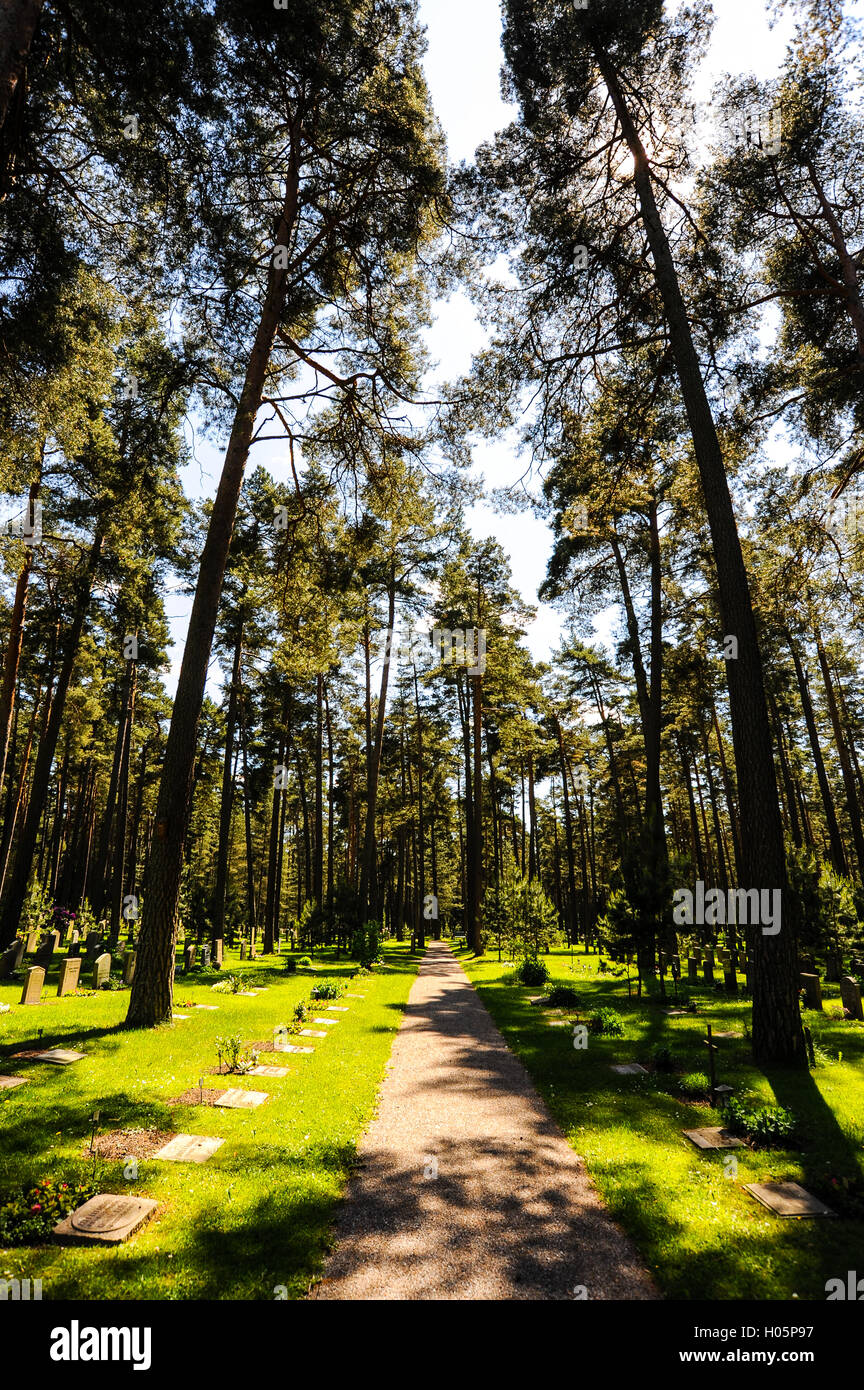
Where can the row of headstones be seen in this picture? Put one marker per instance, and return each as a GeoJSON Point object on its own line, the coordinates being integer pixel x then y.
{"type": "Point", "coordinates": [70, 972]}
{"type": "Point", "coordinates": [731, 961]}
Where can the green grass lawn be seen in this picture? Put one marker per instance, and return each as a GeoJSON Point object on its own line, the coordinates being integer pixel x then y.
{"type": "Point", "coordinates": [258, 1215]}
{"type": "Point", "coordinates": [700, 1233]}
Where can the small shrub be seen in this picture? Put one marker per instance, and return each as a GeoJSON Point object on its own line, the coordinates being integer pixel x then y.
{"type": "Point", "coordinates": [305, 961]}
{"type": "Point", "coordinates": [769, 1126]}
{"type": "Point", "coordinates": [607, 1022]}
{"type": "Point", "coordinates": [290, 966]}
{"type": "Point", "coordinates": [563, 996]}
{"type": "Point", "coordinates": [231, 984]}
{"type": "Point", "coordinates": [29, 1216]}
{"type": "Point", "coordinates": [301, 1011]}
{"type": "Point", "coordinates": [328, 989]}
{"type": "Point", "coordinates": [533, 972]}
{"type": "Point", "coordinates": [234, 1054]}
{"type": "Point", "coordinates": [695, 1085]}
{"type": "Point", "coordinates": [365, 943]}
{"type": "Point", "coordinates": [663, 1059]}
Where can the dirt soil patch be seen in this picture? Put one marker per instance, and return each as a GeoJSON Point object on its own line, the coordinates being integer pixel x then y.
{"type": "Point", "coordinates": [195, 1096]}
{"type": "Point", "coordinates": [134, 1143]}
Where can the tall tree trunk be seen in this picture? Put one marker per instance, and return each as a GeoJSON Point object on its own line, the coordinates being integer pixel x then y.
{"type": "Point", "coordinates": [318, 866]}
{"type": "Point", "coordinates": [226, 802]}
{"type": "Point", "coordinates": [777, 1030]}
{"type": "Point", "coordinates": [12, 658]}
{"type": "Point", "coordinates": [477, 829]}
{"type": "Point", "coordinates": [153, 983]}
{"type": "Point", "coordinates": [835, 840]}
{"type": "Point", "coordinates": [853, 810]}
{"type": "Point", "coordinates": [19, 20]}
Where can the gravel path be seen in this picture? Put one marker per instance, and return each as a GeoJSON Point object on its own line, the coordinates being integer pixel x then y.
{"type": "Point", "coordinates": [467, 1189]}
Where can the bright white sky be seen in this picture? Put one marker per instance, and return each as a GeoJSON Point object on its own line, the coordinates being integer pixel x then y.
{"type": "Point", "coordinates": [462, 67]}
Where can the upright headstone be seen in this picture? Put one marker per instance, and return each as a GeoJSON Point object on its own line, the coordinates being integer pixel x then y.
{"type": "Point", "coordinates": [220, 946]}
{"type": "Point", "coordinates": [807, 964]}
{"type": "Point", "coordinates": [850, 993]}
{"type": "Point", "coordinates": [242, 950]}
{"type": "Point", "coordinates": [32, 941]}
{"type": "Point", "coordinates": [11, 959]}
{"type": "Point", "coordinates": [101, 970]}
{"type": "Point", "coordinates": [812, 988]}
{"type": "Point", "coordinates": [205, 957]}
{"type": "Point", "coordinates": [692, 969]}
{"type": "Point", "coordinates": [730, 979]}
{"type": "Point", "coordinates": [189, 958]}
{"type": "Point", "coordinates": [128, 967]}
{"type": "Point", "coordinates": [48, 947]}
{"type": "Point", "coordinates": [32, 991]}
{"type": "Point", "coordinates": [70, 969]}
{"type": "Point", "coordinates": [708, 968]}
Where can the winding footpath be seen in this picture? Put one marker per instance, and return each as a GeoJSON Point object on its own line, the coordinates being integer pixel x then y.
{"type": "Point", "coordinates": [466, 1187]}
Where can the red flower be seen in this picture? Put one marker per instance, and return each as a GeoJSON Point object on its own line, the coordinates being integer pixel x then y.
{"type": "Point", "coordinates": [36, 1207]}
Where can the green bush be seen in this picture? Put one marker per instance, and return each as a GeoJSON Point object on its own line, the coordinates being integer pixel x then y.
{"type": "Point", "coordinates": [563, 996]}
{"type": "Point", "coordinates": [695, 1085]}
{"type": "Point", "coordinates": [234, 1055]}
{"type": "Point", "coordinates": [230, 984]}
{"type": "Point", "coordinates": [607, 1022]}
{"type": "Point", "coordinates": [533, 972]}
{"type": "Point", "coordinates": [768, 1126]}
{"type": "Point", "coordinates": [29, 1216]}
{"type": "Point", "coordinates": [305, 961]}
{"type": "Point", "coordinates": [290, 966]}
{"type": "Point", "coordinates": [301, 1011]}
{"type": "Point", "coordinates": [365, 943]}
{"type": "Point", "coordinates": [328, 989]}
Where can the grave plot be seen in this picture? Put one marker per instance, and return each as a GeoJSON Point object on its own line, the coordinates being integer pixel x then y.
{"type": "Point", "coordinates": [60, 1056]}
{"type": "Point", "coordinates": [9, 1083]}
{"type": "Point", "coordinates": [629, 1069]}
{"type": "Point", "coordinates": [128, 1143]}
{"type": "Point", "coordinates": [787, 1199]}
{"type": "Point", "coordinates": [331, 1022]}
{"type": "Point", "coordinates": [196, 1095]}
{"type": "Point", "coordinates": [272, 1071]}
{"type": "Point", "coordinates": [109, 1219]}
{"type": "Point", "coordinates": [311, 1033]}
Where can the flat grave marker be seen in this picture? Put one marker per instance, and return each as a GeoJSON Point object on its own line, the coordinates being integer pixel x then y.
{"type": "Point", "coordinates": [60, 1056]}
{"type": "Point", "coordinates": [32, 991]}
{"type": "Point", "coordinates": [787, 1199]}
{"type": "Point", "coordinates": [629, 1069]}
{"type": "Point", "coordinates": [311, 1033]}
{"type": "Point", "coordinates": [331, 1022]}
{"type": "Point", "coordinates": [189, 1148]}
{"type": "Point", "coordinates": [235, 1099]}
{"type": "Point", "coordinates": [337, 1009]}
{"type": "Point", "coordinates": [180, 1016]}
{"type": "Point", "coordinates": [107, 1219]}
{"type": "Point", "coordinates": [8, 1083]}
{"type": "Point", "coordinates": [296, 1050]}
{"type": "Point", "coordinates": [269, 1071]}
{"type": "Point", "coordinates": [354, 996]}
{"type": "Point", "coordinates": [713, 1137]}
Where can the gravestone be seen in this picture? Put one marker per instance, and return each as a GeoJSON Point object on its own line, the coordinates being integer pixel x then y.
{"type": "Point", "coordinates": [337, 1009]}
{"type": "Point", "coordinates": [850, 993]}
{"type": "Point", "coordinates": [708, 955]}
{"type": "Point", "coordinates": [189, 958]}
{"type": "Point", "coordinates": [354, 996]}
{"type": "Point", "coordinates": [60, 1056]}
{"type": "Point", "coordinates": [692, 969]}
{"type": "Point", "coordinates": [787, 1199]}
{"type": "Point", "coordinates": [242, 950]}
{"type": "Point", "coordinates": [105, 1220]}
{"type": "Point", "coordinates": [311, 1033]}
{"type": "Point", "coordinates": [269, 1071]}
{"type": "Point", "coordinates": [32, 941]}
{"type": "Point", "coordinates": [332, 1022]}
{"type": "Point", "coordinates": [289, 1047]}
{"type": "Point", "coordinates": [708, 968]}
{"type": "Point", "coordinates": [220, 946]}
{"type": "Point", "coordinates": [32, 991]}
{"type": "Point", "coordinates": [128, 967]}
{"type": "Point", "coordinates": [629, 1069]}
{"type": "Point", "coordinates": [75, 937]}
{"type": "Point", "coordinates": [70, 969]}
{"type": "Point", "coordinates": [101, 970]}
{"type": "Point", "coordinates": [236, 1099]}
{"type": "Point", "coordinates": [48, 947]}
{"type": "Point", "coordinates": [807, 964]}
{"type": "Point", "coordinates": [11, 959]}
{"type": "Point", "coordinates": [730, 979]}
{"type": "Point", "coordinates": [714, 1137]}
{"type": "Point", "coordinates": [205, 957]}
{"type": "Point", "coordinates": [189, 1148]}
{"type": "Point", "coordinates": [812, 988]}
{"type": "Point", "coordinates": [696, 954]}
{"type": "Point", "coordinates": [8, 1083]}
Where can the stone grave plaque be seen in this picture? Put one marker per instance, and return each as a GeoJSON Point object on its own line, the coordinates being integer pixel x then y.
{"type": "Point", "coordinates": [11, 959]}
{"type": "Point", "coordinates": [787, 1199]}
{"type": "Point", "coordinates": [311, 1033]}
{"type": "Point", "coordinates": [48, 947]}
{"type": "Point", "coordinates": [242, 950]}
{"type": "Point", "coordinates": [211, 1008]}
{"type": "Point", "coordinates": [269, 1071]}
{"type": "Point", "coordinates": [32, 991]}
{"type": "Point", "coordinates": [337, 1009]}
{"type": "Point", "coordinates": [714, 1137]}
{"type": "Point", "coordinates": [32, 942]}
{"type": "Point", "coordinates": [248, 993]}
{"type": "Point", "coordinates": [106, 1220]}
{"type": "Point", "coordinates": [675, 1013]}
{"type": "Point", "coordinates": [217, 959]}
{"type": "Point", "coordinates": [331, 1022]}
{"type": "Point", "coordinates": [235, 1099]}
{"type": "Point", "coordinates": [354, 996]}
{"type": "Point", "coordinates": [8, 1083]}
{"type": "Point", "coordinates": [70, 969]}
{"type": "Point", "coordinates": [189, 958]}
{"type": "Point", "coordinates": [75, 937]}
{"type": "Point", "coordinates": [692, 969]}
{"type": "Point", "coordinates": [629, 1069]}
{"type": "Point", "coordinates": [101, 970]}
{"type": "Point", "coordinates": [730, 979]}
{"type": "Point", "coordinates": [205, 957]}
{"type": "Point", "coordinates": [296, 1050]}
{"type": "Point", "coordinates": [180, 1016]}
{"type": "Point", "coordinates": [128, 967]}
{"type": "Point", "coordinates": [708, 969]}
{"type": "Point", "coordinates": [727, 1035]}
{"type": "Point", "coordinates": [850, 993]}
{"type": "Point", "coordinates": [812, 988]}
{"type": "Point", "coordinates": [60, 1056]}
{"type": "Point", "coordinates": [189, 1148]}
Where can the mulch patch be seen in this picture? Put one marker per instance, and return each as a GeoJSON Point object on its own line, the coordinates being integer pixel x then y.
{"type": "Point", "coordinates": [134, 1143]}
{"type": "Point", "coordinates": [195, 1096]}
{"type": "Point", "coordinates": [265, 1046]}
